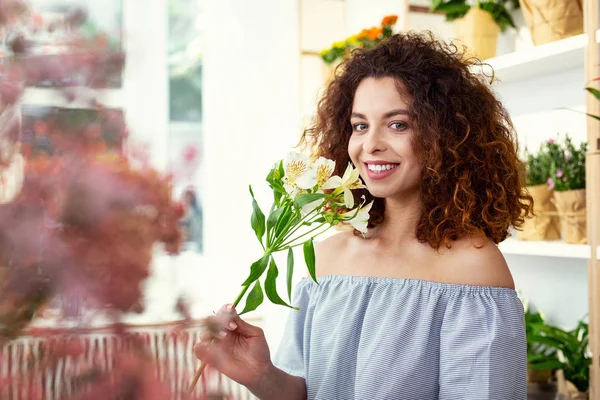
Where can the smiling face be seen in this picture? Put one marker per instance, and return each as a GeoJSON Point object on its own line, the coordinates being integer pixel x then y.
{"type": "Point", "coordinates": [381, 142]}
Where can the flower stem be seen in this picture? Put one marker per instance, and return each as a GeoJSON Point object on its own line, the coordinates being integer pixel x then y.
{"type": "Point", "coordinates": [300, 223]}
{"type": "Point", "coordinates": [289, 244]}
{"type": "Point", "coordinates": [241, 295]}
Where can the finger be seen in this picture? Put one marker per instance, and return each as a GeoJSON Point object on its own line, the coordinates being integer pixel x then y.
{"type": "Point", "coordinates": [217, 323]}
{"type": "Point", "coordinates": [240, 326]}
{"type": "Point", "coordinates": [209, 335]}
{"type": "Point", "coordinates": [209, 354]}
{"type": "Point", "coordinates": [201, 351]}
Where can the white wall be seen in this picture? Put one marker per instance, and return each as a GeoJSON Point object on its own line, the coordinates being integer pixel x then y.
{"type": "Point", "coordinates": [556, 286]}
{"type": "Point", "coordinates": [251, 100]}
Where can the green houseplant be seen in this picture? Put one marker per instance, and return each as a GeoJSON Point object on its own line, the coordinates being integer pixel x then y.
{"type": "Point", "coordinates": [572, 346]}
{"type": "Point", "coordinates": [543, 224]}
{"type": "Point", "coordinates": [568, 181]}
{"type": "Point", "coordinates": [477, 25]}
{"type": "Point", "coordinates": [541, 359]}
{"type": "Point", "coordinates": [456, 9]}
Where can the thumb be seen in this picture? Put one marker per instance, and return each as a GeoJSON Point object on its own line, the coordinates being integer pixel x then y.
{"type": "Point", "coordinates": [240, 326]}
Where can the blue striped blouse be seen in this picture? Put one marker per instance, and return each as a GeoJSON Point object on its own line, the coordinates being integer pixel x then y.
{"type": "Point", "coordinates": [403, 339]}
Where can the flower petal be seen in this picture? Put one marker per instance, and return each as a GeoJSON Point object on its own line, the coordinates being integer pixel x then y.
{"type": "Point", "coordinates": [307, 180]}
{"type": "Point", "coordinates": [310, 207]}
{"type": "Point", "coordinates": [295, 164]}
{"type": "Point", "coordinates": [348, 198]}
{"type": "Point", "coordinates": [332, 183]}
{"type": "Point", "coordinates": [361, 221]}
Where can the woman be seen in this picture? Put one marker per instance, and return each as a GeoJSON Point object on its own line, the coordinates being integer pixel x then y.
{"type": "Point", "coordinates": [423, 306]}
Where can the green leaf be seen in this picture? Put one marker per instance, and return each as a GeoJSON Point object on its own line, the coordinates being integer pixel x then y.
{"type": "Point", "coordinates": [271, 175]}
{"type": "Point", "coordinates": [290, 272]}
{"type": "Point", "coordinates": [274, 218]}
{"type": "Point", "coordinates": [257, 220]}
{"type": "Point", "coordinates": [453, 9]}
{"type": "Point", "coordinates": [257, 269]}
{"type": "Point", "coordinates": [283, 220]}
{"type": "Point", "coordinates": [307, 198]}
{"type": "Point", "coordinates": [593, 116]}
{"type": "Point", "coordinates": [594, 92]}
{"type": "Point", "coordinates": [549, 364]}
{"type": "Point", "coordinates": [271, 286]}
{"type": "Point", "coordinates": [309, 258]}
{"type": "Point", "coordinates": [254, 299]}
{"type": "Point", "coordinates": [435, 4]}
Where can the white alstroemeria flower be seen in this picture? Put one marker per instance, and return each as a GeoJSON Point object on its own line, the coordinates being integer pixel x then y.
{"type": "Point", "coordinates": [297, 172]}
{"type": "Point", "coordinates": [350, 180]}
{"type": "Point", "coordinates": [324, 168]}
{"type": "Point", "coordinates": [361, 220]}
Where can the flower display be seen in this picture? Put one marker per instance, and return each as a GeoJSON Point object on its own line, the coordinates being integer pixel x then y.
{"type": "Point", "coordinates": [367, 38]}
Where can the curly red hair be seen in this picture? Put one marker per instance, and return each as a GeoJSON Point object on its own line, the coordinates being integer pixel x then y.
{"type": "Point", "coordinates": [466, 143]}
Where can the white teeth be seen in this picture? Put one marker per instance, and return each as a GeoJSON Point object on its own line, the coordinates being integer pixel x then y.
{"type": "Point", "coordinates": [381, 168]}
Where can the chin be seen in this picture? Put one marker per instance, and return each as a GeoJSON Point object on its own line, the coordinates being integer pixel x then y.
{"type": "Point", "coordinates": [379, 193]}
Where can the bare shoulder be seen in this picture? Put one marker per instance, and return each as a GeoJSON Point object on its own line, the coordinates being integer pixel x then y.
{"type": "Point", "coordinates": [328, 253]}
{"type": "Point", "coordinates": [479, 262]}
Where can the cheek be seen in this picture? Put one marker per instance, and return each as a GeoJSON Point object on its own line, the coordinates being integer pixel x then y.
{"type": "Point", "coordinates": [354, 147]}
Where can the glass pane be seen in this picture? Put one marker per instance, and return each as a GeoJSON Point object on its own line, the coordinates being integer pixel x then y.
{"type": "Point", "coordinates": [185, 108]}
{"type": "Point", "coordinates": [185, 64]}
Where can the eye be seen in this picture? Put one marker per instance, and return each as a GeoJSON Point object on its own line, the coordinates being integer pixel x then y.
{"type": "Point", "coordinates": [359, 127]}
{"type": "Point", "coordinates": [398, 126]}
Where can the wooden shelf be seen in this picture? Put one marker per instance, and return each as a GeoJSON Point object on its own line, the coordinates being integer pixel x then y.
{"type": "Point", "coordinates": [541, 60]}
{"type": "Point", "coordinates": [549, 248]}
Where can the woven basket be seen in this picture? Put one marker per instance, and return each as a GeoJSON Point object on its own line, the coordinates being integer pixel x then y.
{"type": "Point", "coordinates": [550, 20]}
{"type": "Point", "coordinates": [544, 224]}
{"type": "Point", "coordinates": [572, 211]}
{"type": "Point", "coordinates": [478, 31]}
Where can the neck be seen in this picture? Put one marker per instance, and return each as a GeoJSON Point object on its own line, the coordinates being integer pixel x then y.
{"type": "Point", "coordinates": [400, 221]}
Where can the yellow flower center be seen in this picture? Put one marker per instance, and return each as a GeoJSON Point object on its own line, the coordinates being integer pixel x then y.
{"type": "Point", "coordinates": [324, 171]}
{"type": "Point", "coordinates": [294, 170]}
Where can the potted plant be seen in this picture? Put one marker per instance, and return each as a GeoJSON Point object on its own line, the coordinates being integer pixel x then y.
{"type": "Point", "coordinates": [550, 20]}
{"type": "Point", "coordinates": [568, 181]}
{"type": "Point", "coordinates": [543, 224]}
{"type": "Point", "coordinates": [477, 25]}
{"type": "Point", "coordinates": [574, 359]}
{"type": "Point", "coordinates": [541, 359]}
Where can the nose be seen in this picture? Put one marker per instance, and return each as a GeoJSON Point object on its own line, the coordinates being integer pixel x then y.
{"type": "Point", "coordinates": [374, 142]}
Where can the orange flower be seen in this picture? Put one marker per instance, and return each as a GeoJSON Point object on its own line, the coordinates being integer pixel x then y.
{"type": "Point", "coordinates": [389, 20]}
{"type": "Point", "coordinates": [374, 33]}
{"type": "Point", "coordinates": [363, 34]}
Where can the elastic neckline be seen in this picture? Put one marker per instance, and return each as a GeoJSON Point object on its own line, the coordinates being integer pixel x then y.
{"type": "Point", "coordinates": [422, 283]}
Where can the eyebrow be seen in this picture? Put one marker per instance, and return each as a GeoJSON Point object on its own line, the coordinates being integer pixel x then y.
{"type": "Point", "coordinates": [389, 114]}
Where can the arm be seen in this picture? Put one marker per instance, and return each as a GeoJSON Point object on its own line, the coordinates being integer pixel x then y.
{"type": "Point", "coordinates": [276, 384]}
{"type": "Point", "coordinates": [483, 351]}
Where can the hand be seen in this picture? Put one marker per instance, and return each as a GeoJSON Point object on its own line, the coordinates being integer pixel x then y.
{"type": "Point", "coordinates": [235, 348]}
